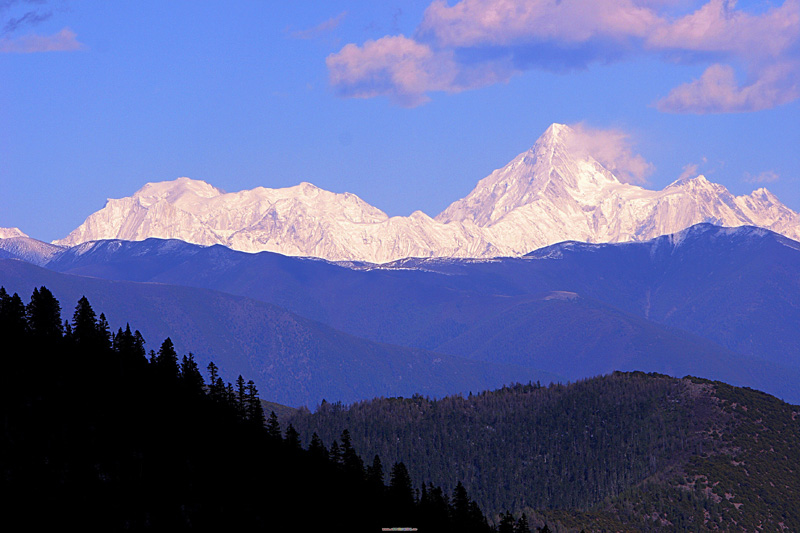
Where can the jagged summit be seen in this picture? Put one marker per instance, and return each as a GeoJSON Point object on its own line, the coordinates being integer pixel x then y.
{"type": "Point", "coordinates": [555, 191]}
{"type": "Point", "coordinates": [555, 133]}
{"type": "Point", "coordinates": [551, 168]}
{"type": "Point", "coordinates": [176, 190]}
{"type": "Point", "coordinates": [10, 233]}
{"type": "Point", "coordinates": [700, 179]}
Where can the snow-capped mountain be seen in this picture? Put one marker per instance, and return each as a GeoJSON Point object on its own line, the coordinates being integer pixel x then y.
{"type": "Point", "coordinates": [10, 233]}
{"type": "Point", "coordinates": [303, 220]}
{"type": "Point", "coordinates": [30, 250]}
{"type": "Point", "coordinates": [546, 195]}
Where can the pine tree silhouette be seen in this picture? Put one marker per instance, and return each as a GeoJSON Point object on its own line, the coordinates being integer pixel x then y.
{"type": "Point", "coordinates": [44, 315]}
{"type": "Point", "coordinates": [166, 360]}
{"type": "Point", "coordinates": [84, 323]}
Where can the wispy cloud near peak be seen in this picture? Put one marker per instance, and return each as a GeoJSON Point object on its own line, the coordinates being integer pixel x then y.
{"type": "Point", "coordinates": [613, 148]}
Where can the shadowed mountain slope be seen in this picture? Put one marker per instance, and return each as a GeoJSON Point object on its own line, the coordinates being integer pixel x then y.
{"type": "Point", "coordinates": [736, 287]}
{"type": "Point", "coordinates": [293, 360]}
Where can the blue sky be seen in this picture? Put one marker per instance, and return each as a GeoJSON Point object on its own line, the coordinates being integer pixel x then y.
{"type": "Point", "coordinates": [406, 104]}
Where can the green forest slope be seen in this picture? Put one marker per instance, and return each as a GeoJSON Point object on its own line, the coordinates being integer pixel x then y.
{"type": "Point", "coordinates": [628, 451]}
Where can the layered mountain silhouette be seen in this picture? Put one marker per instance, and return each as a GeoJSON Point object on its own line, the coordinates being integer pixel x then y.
{"type": "Point", "coordinates": [551, 265]}
{"type": "Point", "coordinates": [548, 194]}
{"type": "Point", "coordinates": [294, 360]}
{"type": "Point", "coordinates": [711, 301]}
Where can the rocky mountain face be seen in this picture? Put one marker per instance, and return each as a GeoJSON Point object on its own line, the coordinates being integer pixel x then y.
{"type": "Point", "coordinates": [546, 195]}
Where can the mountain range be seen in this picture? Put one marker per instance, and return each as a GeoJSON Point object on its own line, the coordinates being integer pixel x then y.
{"type": "Point", "coordinates": [295, 361]}
{"type": "Point", "coordinates": [490, 297]}
{"type": "Point", "coordinates": [551, 193]}
{"type": "Point", "coordinates": [721, 303]}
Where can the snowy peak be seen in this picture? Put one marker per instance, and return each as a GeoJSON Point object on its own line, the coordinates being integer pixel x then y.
{"type": "Point", "coordinates": [556, 191]}
{"type": "Point", "coordinates": [695, 184]}
{"type": "Point", "coordinates": [179, 191]}
{"type": "Point", "coordinates": [554, 168]}
{"type": "Point", "coordinates": [10, 233]}
{"type": "Point", "coordinates": [28, 249]}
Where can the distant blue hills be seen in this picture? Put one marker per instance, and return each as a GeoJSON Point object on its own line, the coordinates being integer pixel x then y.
{"type": "Point", "coordinates": [720, 303]}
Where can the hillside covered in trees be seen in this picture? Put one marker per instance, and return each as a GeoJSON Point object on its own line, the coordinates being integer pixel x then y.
{"type": "Point", "coordinates": [623, 452]}
{"type": "Point", "coordinates": [97, 433]}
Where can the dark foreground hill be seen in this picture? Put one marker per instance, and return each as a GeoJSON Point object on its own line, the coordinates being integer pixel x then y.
{"type": "Point", "coordinates": [96, 437]}
{"type": "Point", "coordinates": [625, 452]}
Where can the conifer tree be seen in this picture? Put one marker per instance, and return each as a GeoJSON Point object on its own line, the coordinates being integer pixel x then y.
{"type": "Point", "coordinates": [292, 438]}
{"type": "Point", "coordinates": [350, 459]}
{"type": "Point", "coordinates": [476, 519]}
{"type": "Point", "coordinates": [44, 315]}
{"type": "Point", "coordinates": [166, 360]}
{"type": "Point", "coordinates": [190, 374]}
{"type": "Point", "coordinates": [216, 388]}
{"type": "Point", "coordinates": [12, 315]}
{"type": "Point", "coordinates": [460, 506]}
{"type": "Point", "coordinates": [335, 453]}
{"type": "Point", "coordinates": [118, 341]}
{"type": "Point", "coordinates": [507, 524]}
{"type": "Point", "coordinates": [138, 345]}
{"type": "Point", "coordinates": [84, 323]}
{"type": "Point", "coordinates": [375, 473]}
{"type": "Point", "coordinates": [124, 342]}
{"type": "Point", "coordinates": [103, 331]}
{"type": "Point", "coordinates": [317, 449]}
{"type": "Point", "coordinates": [522, 525]}
{"type": "Point", "coordinates": [241, 395]}
{"type": "Point", "coordinates": [219, 391]}
{"type": "Point", "coordinates": [401, 490]}
{"type": "Point", "coordinates": [213, 372]}
{"type": "Point", "coordinates": [255, 411]}
{"type": "Point", "coordinates": [434, 509]}
{"type": "Point", "coordinates": [274, 427]}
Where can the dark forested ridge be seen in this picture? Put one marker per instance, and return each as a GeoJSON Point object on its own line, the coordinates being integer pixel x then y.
{"type": "Point", "coordinates": [100, 435]}
{"type": "Point", "coordinates": [628, 451]}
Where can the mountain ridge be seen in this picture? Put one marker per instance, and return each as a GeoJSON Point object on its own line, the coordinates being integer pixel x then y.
{"type": "Point", "coordinates": [298, 360]}
{"type": "Point", "coordinates": [548, 194]}
{"type": "Point", "coordinates": [736, 288]}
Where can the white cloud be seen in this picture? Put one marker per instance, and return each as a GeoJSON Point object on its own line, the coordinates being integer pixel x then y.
{"type": "Point", "coordinates": [506, 22]}
{"type": "Point", "coordinates": [718, 27]}
{"type": "Point", "coordinates": [321, 28]}
{"type": "Point", "coordinates": [63, 41]}
{"type": "Point", "coordinates": [717, 91]}
{"type": "Point", "coordinates": [689, 171]}
{"type": "Point", "coordinates": [768, 176]}
{"type": "Point", "coordinates": [401, 68]}
{"type": "Point", "coordinates": [473, 43]}
{"type": "Point", "coordinates": [613, 149]}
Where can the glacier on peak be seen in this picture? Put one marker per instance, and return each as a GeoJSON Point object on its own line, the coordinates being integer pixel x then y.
{"type": "Point", "coordinates": [551, 193]}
